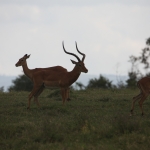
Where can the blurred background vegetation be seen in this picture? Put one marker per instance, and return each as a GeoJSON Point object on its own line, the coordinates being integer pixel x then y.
{"type": "Point", "coordinates": [139, 64]}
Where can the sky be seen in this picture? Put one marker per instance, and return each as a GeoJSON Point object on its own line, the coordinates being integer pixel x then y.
{"type": "Point", "coordinates": [107, 31]}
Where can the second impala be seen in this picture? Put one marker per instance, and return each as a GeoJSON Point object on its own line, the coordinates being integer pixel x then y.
{"type": "Point", "coordinates": [61, 80]}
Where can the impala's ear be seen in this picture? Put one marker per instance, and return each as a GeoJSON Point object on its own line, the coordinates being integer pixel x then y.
{"type": "Point", "coordinates": [74, 62]}
{"type": "Point", "coordinates": [28, 56]}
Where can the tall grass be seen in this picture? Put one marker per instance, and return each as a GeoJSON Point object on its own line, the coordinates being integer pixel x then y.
{"type": "Point", "coordinates": [93, 119]}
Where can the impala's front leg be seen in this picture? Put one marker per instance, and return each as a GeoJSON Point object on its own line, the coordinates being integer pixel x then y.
{"type": "Point", "coordinates": [29, 102]}
{"type": "Point", "coordinates": [64, 95]}
{"type": "Point", "coordinates": [68, 94]}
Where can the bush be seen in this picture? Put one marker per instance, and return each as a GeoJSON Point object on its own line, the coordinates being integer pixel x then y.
{"type": "Point", "coordinates": [101, 82]}
{"type": "Point", "coordinates": [21, 83]}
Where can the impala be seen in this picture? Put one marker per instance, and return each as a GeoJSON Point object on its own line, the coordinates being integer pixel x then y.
{"type": "Point", "coordinates": [61, 80]}
{"type": "Point", "coordinates": [144, 86]}
{"type": "Point", "coordinates": [29, 72]}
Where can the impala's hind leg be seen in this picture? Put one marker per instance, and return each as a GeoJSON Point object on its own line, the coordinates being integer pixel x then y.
{"type": "Point", "coordinates": [33, 92]}
{"type": "Point", "coordinates": [68, 94]}
{"type": "Point", "coordinates": [136, 98]}
{"type": "Point", "coordinates": [37, 95]}
{"type": "Point", "coordinates": [64, 95]}
{"type": "Point", "coordinates": [141, 102]}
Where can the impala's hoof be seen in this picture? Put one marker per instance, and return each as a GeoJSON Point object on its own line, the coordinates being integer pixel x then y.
{"type": "Point", "coordinates": [131, 112]}
{"type": "Point", "coordinates": [68, 99]}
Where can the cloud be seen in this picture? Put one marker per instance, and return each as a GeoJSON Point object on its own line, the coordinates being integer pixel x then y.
{"type": "Point", "coordinates": [78, 3]}
{"type": "Point", "coordinates": [108, 33]}
{"type": "Point", "coordinates": [15, 13]}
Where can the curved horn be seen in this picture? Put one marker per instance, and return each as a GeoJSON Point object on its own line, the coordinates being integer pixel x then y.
{"type": "Point", "coordinates": [69, 52]}
{"type": "Point", "coordinates": [80, 53]}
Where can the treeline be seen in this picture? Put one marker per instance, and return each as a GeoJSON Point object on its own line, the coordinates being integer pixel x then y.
{"type": "Point", "coordinates": [22, 83]}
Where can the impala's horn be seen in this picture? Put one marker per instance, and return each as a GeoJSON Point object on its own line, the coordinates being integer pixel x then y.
{"type": "Point", "coordinates": [80, 52]}
{"type": "Point", "coordinates": [70, 53]}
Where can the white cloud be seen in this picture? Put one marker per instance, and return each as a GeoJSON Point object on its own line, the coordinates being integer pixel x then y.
{"type": "Point", "coordinates": [15, 13]}
{"type": "Point", "coordinates": [108, 34]}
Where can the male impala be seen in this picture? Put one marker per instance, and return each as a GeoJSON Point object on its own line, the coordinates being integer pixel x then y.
{"type": "Point", "coordinates": [29, 72]}
{"type": "Point", "coordinates": [61, 80]}
{"type": "Point", "coordinates": [144, 86]}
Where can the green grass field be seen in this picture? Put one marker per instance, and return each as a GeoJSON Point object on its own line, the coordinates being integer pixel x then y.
{"type": "Point", "coordinates": [93, 120]}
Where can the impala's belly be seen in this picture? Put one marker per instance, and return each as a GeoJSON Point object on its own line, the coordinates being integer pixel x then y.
{"type": "Point", "coordinates": [54, 84]}
{"type": "Point", "coordinates": [51, 84]}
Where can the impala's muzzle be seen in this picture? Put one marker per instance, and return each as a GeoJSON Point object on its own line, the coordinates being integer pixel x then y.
{"type": "Point", "coordinates": [86, 71]}
{"type": "Point", "coordinates": [16, 65]}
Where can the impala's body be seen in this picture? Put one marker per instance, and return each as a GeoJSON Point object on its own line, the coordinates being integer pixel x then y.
{"type": "Point", "coordinates": [29, 72]}
{"type": "Point", "coordinates": [54, 68]}
{"type": "Point", "coordinates": [55, 77]}
{"type": "Point", "coordinates": [144, 86]}
{"type": "Point", "coordinates": [58, 79]}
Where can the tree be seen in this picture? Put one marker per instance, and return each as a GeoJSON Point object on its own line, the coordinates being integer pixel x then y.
{"type": "Point", "coordinates": [79, 85]}
{"type": "Point", "coordinates": [21, 83]}
{"type": "Point", "coordinates": [144, 56]}
{"type": "Point", "coordinates": [2, 89]}
{"type": "Point", "coordinates": [120, 85]}
{"type": "Point", "coordinates": [131, 82]}
{"type": "Point", "coordinates": [135, 74]}
{"type": "Point", "coordinates": [101, 82]}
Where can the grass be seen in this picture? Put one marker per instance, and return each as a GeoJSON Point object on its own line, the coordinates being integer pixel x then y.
{"type": "Point", "coordinates": [93, 119]}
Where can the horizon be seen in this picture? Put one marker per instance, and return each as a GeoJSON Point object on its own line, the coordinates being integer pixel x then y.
{"type": "Point", "coordinates": [6, 81]}
{"type": "Point", "coordinates": [108, 32]}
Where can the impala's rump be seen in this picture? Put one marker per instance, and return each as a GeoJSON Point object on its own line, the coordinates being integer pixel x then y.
{"type": "Point", "coordinates": [144, 87]}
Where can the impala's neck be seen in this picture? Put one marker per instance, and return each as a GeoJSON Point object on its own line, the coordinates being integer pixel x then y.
{"type": "Point", "coordinates": [74, 75]}
{"type": "Point", "coordinates": [26, 70]}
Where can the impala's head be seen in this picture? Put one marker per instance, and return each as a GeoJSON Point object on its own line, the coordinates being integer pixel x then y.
{"type": "Point", "coordinates": [22, 60]}
{"type": "Point", "coordinates": [80, 63]}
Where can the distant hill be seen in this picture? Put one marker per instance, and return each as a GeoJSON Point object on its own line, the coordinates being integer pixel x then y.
{"type": "Point", "coordinates": [6, 81]}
